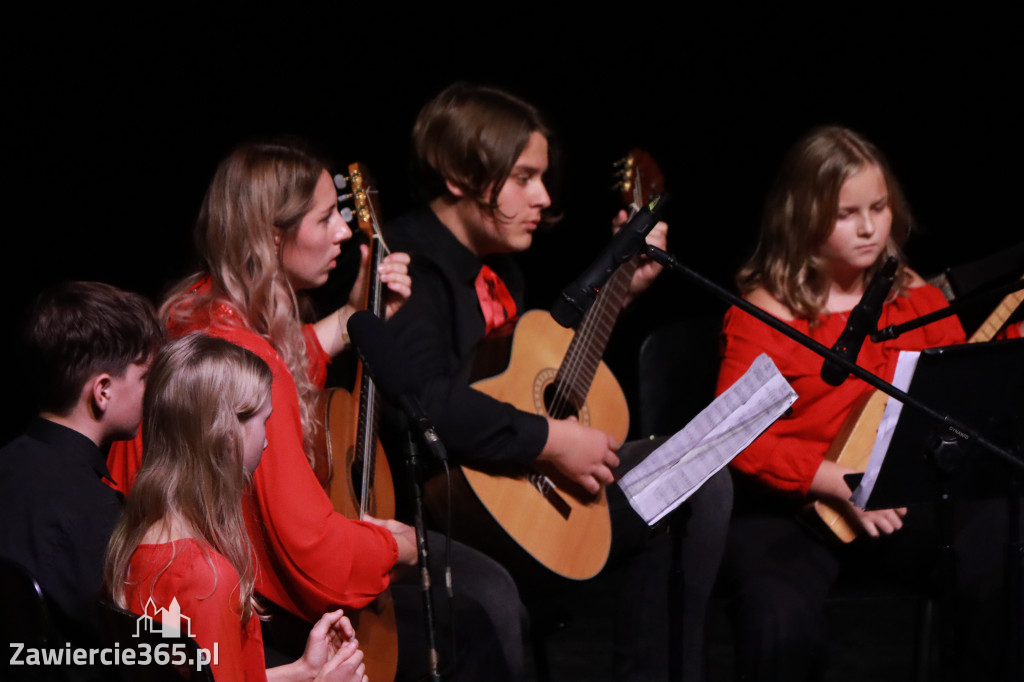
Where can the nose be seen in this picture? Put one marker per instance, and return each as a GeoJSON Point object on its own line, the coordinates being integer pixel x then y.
{"type": "Point", "coordinates": [342, 230]}
{"type": "Point", "coordinates": [542, 199]}
{"type": "Point", "coordinates": [866, 227]}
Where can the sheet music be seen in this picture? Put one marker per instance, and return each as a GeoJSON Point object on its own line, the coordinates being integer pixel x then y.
{"type": "Point", "coordinates": [674, 471]}
{"type": "Point", "coordinates": [905, 366]}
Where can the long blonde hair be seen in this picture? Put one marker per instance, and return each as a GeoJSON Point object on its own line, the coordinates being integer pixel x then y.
{"type": "Point", "coordinates": [256, 201]}
{"type": "Point", "coordinates": [801, 213]}
{"type": "Point", "coordinates": [199, 393]}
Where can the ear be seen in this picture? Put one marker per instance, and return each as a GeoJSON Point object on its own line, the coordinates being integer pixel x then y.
{"type": "Point", "coordinates": [100, 390]}
{"type": "Point", "coordinates": [454, 189]}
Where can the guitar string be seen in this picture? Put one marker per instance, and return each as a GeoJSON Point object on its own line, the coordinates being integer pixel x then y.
{"type": "Point", "coordinates": [577, 373]}
{"type": "Point", "coordinates": [375, 306]}
{"type": "Point", "coordinates": [568, 388]}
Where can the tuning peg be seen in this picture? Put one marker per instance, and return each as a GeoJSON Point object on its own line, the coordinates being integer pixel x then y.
{"type": "Point", "coordinates": [340, 181]}
{"type": "Point", "coordinates": [346, 214]}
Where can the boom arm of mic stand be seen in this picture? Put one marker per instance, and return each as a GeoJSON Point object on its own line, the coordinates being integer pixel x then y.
{"type": "Point", "coordinates": [669, 261]}
{"type": "Point", "coordinates": [896, 330]}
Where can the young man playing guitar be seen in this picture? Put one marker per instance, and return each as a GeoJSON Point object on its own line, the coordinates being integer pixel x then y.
{"type": "Point", "coordinates": [482, 155]}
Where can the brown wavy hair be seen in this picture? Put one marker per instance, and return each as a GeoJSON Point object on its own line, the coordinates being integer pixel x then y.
{"type": "Point", "coordinates": [199, 393]}
{"type": "Point", "coordinates": [472, 136]}
{"type": "Point", "coordinates": [256, 200]}
{"type": "Point", "coordinates": [801, 213]}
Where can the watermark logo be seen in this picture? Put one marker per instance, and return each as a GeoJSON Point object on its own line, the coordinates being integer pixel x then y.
{"type": "Point", "coordinates": [167, 623]}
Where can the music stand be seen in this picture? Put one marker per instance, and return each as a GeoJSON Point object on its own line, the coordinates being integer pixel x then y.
{"type": "Point", "coordinates": [983, 385]}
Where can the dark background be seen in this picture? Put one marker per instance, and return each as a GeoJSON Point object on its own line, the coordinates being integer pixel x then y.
{"type": "Point", "coordinates": [115, 122]}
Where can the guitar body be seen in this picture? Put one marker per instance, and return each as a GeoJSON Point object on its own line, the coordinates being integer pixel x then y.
{"type": "Point", "coordinates": [572, 541]}
{"type": "Point", "coordinates": [538, 347]}
{"type": "Point", "coordinates": [345, 485]}
{"type": "Point", "coordinates": [852, 448]}
{"type": "Point", "coordinates": [375, 624]}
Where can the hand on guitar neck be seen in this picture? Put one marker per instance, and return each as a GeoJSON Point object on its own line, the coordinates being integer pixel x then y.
{"type": "Point", "coordinates": [828, 484]}
{"type": "Point", "coordinates": [393, 272]}
{"type": "Point", "coordinates": [647, 271]}
{"type": "Point", "coordinates": [583, 454]}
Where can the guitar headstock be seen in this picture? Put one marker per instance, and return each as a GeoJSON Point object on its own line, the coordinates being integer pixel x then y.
{"type": "Point", "coordinates": [638, 179]}
{"type": "Point", "coordinates": [358, 187]}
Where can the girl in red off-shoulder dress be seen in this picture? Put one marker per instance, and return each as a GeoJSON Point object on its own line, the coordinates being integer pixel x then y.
{"type": "Point", "coordinates": [180, 553]}
{"type": "Point", "coordinates": [835, 215]}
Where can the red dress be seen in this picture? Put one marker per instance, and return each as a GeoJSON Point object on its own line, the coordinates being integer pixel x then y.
{"type": "Point", "coordinates": [205, 586]}
{"type": "Point", "coordinates": [788, 454]}
{"type": "Point", "coordinates": [311, 559]}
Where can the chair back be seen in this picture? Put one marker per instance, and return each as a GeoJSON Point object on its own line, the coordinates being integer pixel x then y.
{"type": "Point", "coordinates": [677, 370]}
{"type": "Point", "coordinates": [25, 618]}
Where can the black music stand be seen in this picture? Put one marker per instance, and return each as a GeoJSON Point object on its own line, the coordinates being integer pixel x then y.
{"type": "Point", "coordinates": [983, 385]}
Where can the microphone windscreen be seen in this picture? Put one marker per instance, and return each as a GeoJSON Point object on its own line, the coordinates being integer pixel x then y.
{"type": "Point", "coordinates": [380, 354]}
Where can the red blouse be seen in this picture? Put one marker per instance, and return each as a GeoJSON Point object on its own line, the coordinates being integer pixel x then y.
{"type": "Point", "coordinates": [788, 454]}
{"type": "Point", "coordinates": [205, 586]}
{"type": "Point", "coordinates": [311, 559]}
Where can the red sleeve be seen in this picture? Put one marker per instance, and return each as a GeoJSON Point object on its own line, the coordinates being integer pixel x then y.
{"type": "Point", "coordinates": [312, 559]}
{"type": "Point", "coordinates": [1014, 330]}
{"type": "Point", "coordinates": [788, 454]}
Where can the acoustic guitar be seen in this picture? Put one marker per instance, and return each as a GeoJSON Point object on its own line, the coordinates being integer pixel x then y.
{"type": "Point", "coordinates": [350, 463]}
{"type": "Point", "coordinates": [855, 440]}
{"type": "Point", "coordinates": [556, 372]}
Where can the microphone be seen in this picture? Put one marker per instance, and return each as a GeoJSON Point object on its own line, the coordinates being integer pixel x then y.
{"type": "Point", "coordinates": [392, 373]}
{"type": "Point", "coordinates": [577, 298]}
{"type": "Point", "coordinates": [862, 322]}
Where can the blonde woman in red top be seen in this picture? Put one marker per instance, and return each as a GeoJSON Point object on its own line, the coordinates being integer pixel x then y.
{"type": "Point", "coordinates": [269, 228]}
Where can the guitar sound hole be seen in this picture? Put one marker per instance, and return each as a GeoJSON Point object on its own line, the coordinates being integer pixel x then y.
{"type": "Point", "coordinates": [357, 477]}
{"type": "Point", "coordinates": [563, 410]}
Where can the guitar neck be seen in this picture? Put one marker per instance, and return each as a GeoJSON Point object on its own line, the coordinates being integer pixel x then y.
{"type": "Point", "coordinates": [638, 180]}
{"type": "Point", "coordinates": [576, 373]}
{"type": "Point", "coordinates": [994, 322]}
{"type": "Point", "coordinates": [365, 201]}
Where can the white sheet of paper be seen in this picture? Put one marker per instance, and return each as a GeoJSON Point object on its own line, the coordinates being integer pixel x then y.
{"type": "Point", "coordinates": [905, 366]}
{"type": "Point", "coordinates": [674, 471]}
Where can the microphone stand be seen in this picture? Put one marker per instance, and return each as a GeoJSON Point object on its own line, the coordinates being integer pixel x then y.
{"type": "Point", "coordinates": [942, 455]}
{"type": "Point", "coordinates": [894, 331]}
{"type": "Point", "coordinates": [422, 549]}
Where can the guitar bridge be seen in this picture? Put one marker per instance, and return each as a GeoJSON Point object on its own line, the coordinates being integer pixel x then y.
{"type": "Point", "coordinates": [548, 491]}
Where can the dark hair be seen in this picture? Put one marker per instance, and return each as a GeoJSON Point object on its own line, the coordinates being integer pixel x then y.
{"type": "Point", "coordinates": [472, 136]}
{"type": "Point", "coordinates": [79, 329]}
{"type": "Point", "coordinates": [801, 213]}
